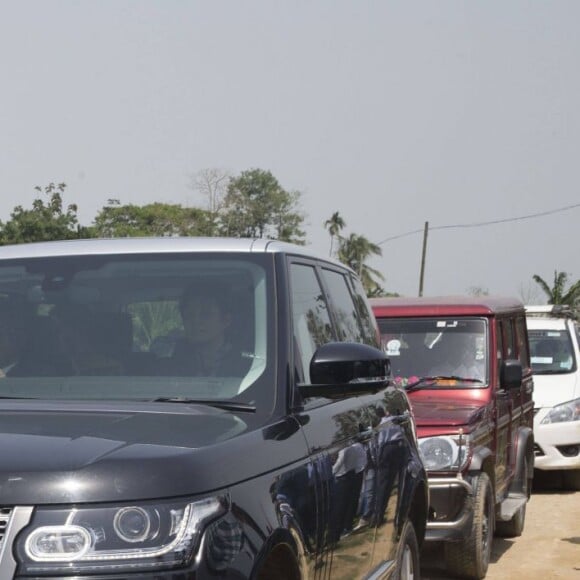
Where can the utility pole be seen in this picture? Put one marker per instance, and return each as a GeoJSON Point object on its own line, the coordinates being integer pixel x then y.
{"type": "Point", "coordinates": [422, 275]}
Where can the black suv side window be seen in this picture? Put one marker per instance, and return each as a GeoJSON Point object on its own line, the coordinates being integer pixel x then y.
{"type": "Point", "coordinates": [310, 318]}
{"type": "Point", "coordinates": [343, 305]}
{"type": "Point", "coordinates": [367, 320]}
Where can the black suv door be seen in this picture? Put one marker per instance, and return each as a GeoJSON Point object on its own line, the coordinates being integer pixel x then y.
{"type": "Point", "coordinates": [340, 434]}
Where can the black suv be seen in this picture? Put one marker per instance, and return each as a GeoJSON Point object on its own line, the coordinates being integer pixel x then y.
{"type": "Point", "coordinates": [199, 408]}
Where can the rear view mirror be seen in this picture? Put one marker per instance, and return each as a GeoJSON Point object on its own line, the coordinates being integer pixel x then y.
{"type": "Point", "coordinates": [346, 369]}
{"type": "Point", "coordinates": [511, 374]}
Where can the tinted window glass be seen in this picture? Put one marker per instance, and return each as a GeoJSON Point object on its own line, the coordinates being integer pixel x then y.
{"type": "Point", "coordinates": [343, 305]}
{"type": "Point", "coordinates": [551, 351]}
{"type": "Point", "coordinates": [499, 351]}
{"type": "Point", "coordinates": [368, 322]}
{"type": "Point", "coordinates": [96, 327]}
{"type": "Point", "coordinates": [310, 318]}
{"type": "Point", "coordinates": [521, 333]}
{"type": "Point", "coordinates": [509, 344]}
{"type": "Point", "coordinates": [445, 347]}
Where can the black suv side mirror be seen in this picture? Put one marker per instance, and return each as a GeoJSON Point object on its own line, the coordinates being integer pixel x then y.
{"type": "Point", "coordinates": [346, 369]}
{"type": "Point", "coordinates": [511, 374]}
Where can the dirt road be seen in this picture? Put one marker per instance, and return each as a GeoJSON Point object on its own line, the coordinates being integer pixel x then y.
{"type": "Point", "coordinates": [548, 549]}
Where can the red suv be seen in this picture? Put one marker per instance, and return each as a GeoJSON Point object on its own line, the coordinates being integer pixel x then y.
{"type": "Point", "coordinates": [465, 365]}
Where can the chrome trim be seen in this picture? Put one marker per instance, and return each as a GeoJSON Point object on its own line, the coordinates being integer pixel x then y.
{"type": "Point", "coordinates": [19, 519]}
{"type": "Point", "coordinates": [450, 482]}
{"type": "Point", "coordinates": [114, 246]}
{"type": "Point", "coordinates": [383, 570]}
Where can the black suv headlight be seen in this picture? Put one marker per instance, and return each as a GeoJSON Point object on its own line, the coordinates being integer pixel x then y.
{"type": "Point", "coordinates": [133, 537]}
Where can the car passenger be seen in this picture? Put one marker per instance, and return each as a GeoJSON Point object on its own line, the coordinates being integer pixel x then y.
{"type": "Point", "coordinates": [12, 337]}
{"type": "Point", "coordinates": [207, 348]}
{"type": "Point", "coordinates": [460, 359]}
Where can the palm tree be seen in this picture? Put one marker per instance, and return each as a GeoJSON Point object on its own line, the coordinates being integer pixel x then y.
{"type": "Point", "coordinates": [354, 251]}
{"type": "Point", "coordinates": [557, 293]}
{"type": "Point", "coordinates": [334, 225]}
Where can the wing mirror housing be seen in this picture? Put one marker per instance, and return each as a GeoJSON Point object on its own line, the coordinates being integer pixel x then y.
{"type": "Point", "coordinates": [511, 374]}
{"type": "Point", "coordinates": [340, 370]}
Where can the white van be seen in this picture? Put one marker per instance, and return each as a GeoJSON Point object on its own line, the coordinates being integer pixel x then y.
{"type": "Point", "coordinates": [554, 339]}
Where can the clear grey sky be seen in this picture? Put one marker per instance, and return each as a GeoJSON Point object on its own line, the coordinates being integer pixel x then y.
{"type": "Point", "coordinates": [392, 113]}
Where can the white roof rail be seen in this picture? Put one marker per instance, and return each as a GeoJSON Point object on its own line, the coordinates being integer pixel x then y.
{"type": "Point", "coordinates": [549, 310]}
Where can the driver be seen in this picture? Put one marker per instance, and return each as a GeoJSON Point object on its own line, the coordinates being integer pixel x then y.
{"type": "Point", "coordinates": [12, 337]}
{"type": "Point", "coordinates": [460, 359]}
{"type": "Point", "coordinates": [207, 349]}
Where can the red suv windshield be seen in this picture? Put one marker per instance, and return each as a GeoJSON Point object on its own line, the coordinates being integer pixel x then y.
{"type": "Point", "coordinates": [450, 348]}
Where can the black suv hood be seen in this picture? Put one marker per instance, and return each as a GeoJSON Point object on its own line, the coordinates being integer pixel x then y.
{"type": "Point", "coordinates": [73, 452]}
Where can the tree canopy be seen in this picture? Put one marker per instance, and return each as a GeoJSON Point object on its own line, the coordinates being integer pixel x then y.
{"type": "Point", "coordinates": [45, 221]}
{"type": "Point", "coordinates": [154, 219]}
{"type": "Point", "coordinates": [354, 251]}
{"type": "Point", "coordinates": [558, 293]}
{"type": "Point", "coordinates": [251, 204]}
{"type": "Point", "coordinates": [334, 225]}
{"type": "Point", "coordinates": [257, 206]}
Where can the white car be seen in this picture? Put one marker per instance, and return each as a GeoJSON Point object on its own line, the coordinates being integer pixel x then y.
{"type": "Point", "coordinates": [554, 339]}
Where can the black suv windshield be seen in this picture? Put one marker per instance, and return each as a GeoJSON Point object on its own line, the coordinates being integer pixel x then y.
{"type": "Point", "coordinates": [138, 327]}
{"type": "Point", "coordinates": [444, 351]}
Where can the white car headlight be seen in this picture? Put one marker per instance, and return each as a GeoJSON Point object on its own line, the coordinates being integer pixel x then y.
{"type": "Point", "coordinates": [569, 411]}
{"type": "Point", "coordinates": [444, 452]}
{"type": "Point", "coordinates": [128, 538]}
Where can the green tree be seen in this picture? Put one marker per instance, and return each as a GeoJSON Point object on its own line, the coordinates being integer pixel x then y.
{"type": "Point", "coordinates": [256, 206]}
{"type": "Point", "coordinates": [45, 221]}
{"type": "Point", "coordinates": [334, 225]}
{"type": "Point", "coordinates": [154, 219]}
{"type": "Point", "coordinates": [354, 251]}
{"type": "Point", "coordinates": [558, 294]}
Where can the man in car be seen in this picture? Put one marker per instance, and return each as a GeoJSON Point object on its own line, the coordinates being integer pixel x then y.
{"type": "Point", "coordinates": [207, 348]}
{"type": "Point", "coordinates": [13, 321]}
{"type": "Point", "coordinates": [460, 359]}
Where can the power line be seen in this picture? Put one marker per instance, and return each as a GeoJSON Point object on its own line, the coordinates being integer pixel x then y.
{"type": "Point", "coordinates": [481, 224]}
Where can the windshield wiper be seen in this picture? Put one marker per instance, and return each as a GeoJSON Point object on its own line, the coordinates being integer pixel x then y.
{"type": "Point", "coordinates": [426, 382]}
{"type": "Point", "coordinates": [226, 405]}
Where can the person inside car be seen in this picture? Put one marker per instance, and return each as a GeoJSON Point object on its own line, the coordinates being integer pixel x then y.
{"type": "Point", "coordinates": [460, 359]}
{"type": "Point", "coordinates": [207, 348]}
{"type": "Point", "coordinates": [12, 337]}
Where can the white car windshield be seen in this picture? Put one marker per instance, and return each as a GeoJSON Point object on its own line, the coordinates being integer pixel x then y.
{"type": "Point", "coordinates": [551, 351]}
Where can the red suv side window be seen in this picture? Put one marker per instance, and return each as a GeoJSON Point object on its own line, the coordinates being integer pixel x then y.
{"type": "Point", "coordinates": [522, 334]}
{"type": "Point", "coordinates": [509, 342]}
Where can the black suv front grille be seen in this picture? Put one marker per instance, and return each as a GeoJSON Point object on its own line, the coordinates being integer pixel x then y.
{"type": "Point", "coordinates": [5, 515]}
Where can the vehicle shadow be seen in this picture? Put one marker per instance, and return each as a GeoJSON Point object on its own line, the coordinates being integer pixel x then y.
{"type": "Point", "coordinates": [549, 482]}
{"type": "Point", "coordinates": [433, 564]}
